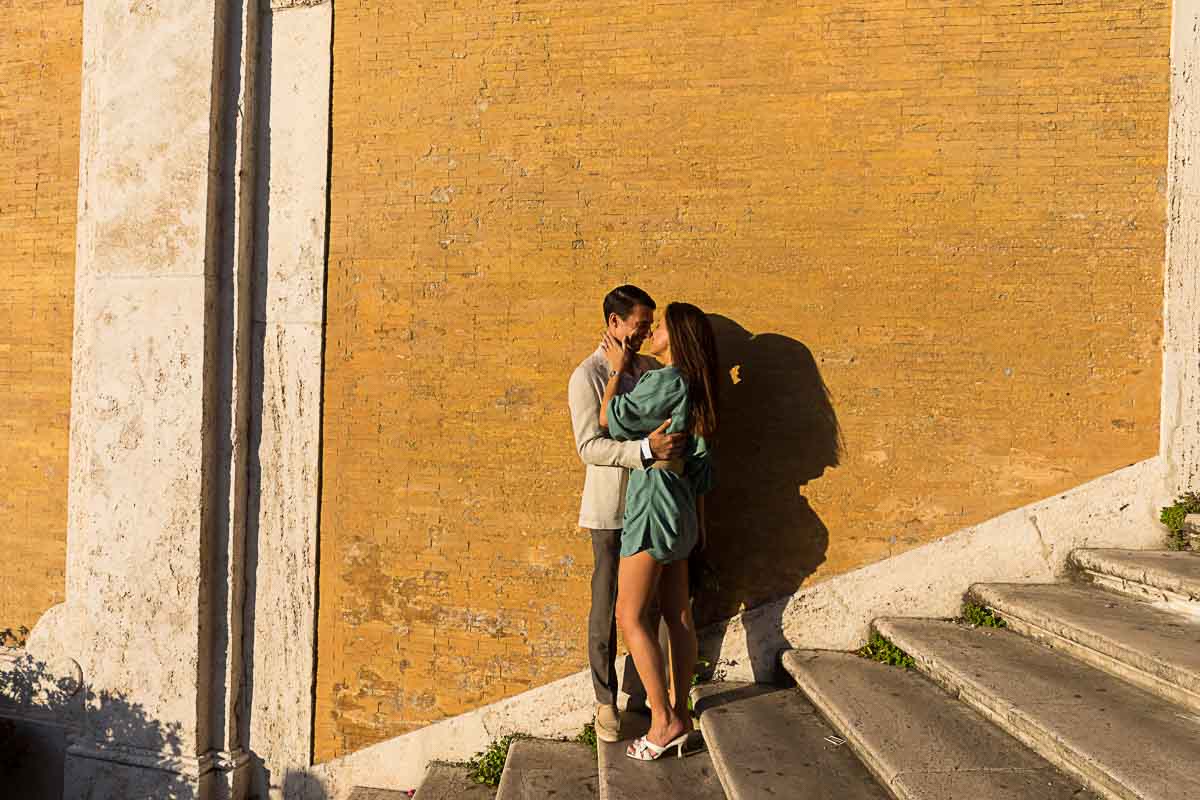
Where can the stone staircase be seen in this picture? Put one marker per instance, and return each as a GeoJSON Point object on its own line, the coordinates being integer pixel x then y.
{"type": "Point", "coordinates": [1091, 691]}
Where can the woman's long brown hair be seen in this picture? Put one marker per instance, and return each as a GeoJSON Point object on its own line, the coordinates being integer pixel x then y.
{"type": "Point", "coordinates": [694, 353]}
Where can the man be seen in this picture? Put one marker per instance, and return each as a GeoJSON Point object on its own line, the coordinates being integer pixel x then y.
{"type": "Point", "coordinates": [628, 315]}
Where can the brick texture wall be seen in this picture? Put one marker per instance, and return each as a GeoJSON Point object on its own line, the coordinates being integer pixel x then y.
{"type": "Point", "coordinates": [40, 51]}
{"type": "Point", "coordinates": [936, 225]}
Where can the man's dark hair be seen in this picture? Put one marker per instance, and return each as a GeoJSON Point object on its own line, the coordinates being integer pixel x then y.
{"type": "Point", "coordinates": [621, 300]}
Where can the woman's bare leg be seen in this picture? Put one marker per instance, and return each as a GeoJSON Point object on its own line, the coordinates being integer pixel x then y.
{"type": "Point", "coordinates": [677, 612]}
{"type": "Point", "coordinates": [637, 579]}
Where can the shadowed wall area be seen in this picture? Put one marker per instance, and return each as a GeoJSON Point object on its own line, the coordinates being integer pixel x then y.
{"type": "Point", "coordinates": [41, 711]}
{"type": "Point", "coordinates": [40, 52]}
{"type": "Point", "coordinates": [779, 432]}
{"type": "Point", "coordinates": [937, 226]}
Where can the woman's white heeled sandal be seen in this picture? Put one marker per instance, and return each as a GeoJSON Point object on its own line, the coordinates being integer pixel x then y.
{"type": "Point", "coordinates": [642, 749]}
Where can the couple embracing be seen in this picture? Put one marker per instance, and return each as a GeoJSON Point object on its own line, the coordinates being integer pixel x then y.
{"type": "Point", "coordinates": [644, 426]}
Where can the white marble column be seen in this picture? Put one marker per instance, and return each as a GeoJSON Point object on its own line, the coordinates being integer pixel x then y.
{"type": "Point", "coordinates": [160, 402]}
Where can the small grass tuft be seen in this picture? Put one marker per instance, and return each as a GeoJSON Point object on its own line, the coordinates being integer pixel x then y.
{"type": "Point", "coordinates": [703, 671]}
{"type": "Point", "coordinates": [487, 767]}
{"type": "Point", "coordinates": [1173, 517]}
{"type": "Point", "coordinates": [882, 650]}
{"type": "Point", "coordinates": [588, 736]}
{"type": "Point", "coordinates": [979, 616]}
{"type": "Point", "coordinates": [11, 638]}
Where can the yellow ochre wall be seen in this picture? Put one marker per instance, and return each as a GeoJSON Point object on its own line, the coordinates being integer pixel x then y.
{"type": "Point", "coordinates": [941, 223]}
{"type": "Point", "coordinates": [40, 52]}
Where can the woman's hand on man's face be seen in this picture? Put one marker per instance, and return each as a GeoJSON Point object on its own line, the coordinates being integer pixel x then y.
{"type": "Point", "coordinates": [619, 356]}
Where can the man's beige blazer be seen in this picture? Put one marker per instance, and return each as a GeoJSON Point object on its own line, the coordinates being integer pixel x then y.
{"type": "Point", "coordinates": [608, 461]}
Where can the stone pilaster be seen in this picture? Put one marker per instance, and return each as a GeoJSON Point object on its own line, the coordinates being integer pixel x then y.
{"type": "Point", "coordinates": [289, 311]}
{"type": "Point", "coordinates": [1180, 424]}
{"type": "Point", "coordinates": [160, 400]}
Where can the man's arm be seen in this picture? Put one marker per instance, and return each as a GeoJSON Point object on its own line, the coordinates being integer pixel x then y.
{"type": "Point", "coordinates": [592, 444]}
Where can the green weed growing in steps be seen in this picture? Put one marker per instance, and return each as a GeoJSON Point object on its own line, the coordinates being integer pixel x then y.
{"type": "Point", "coordinates": [1173, 516]}
{"type": "Point", "coordinates": [588, 736]}
{"type": "Point", "coordinates": [11, 638]}
{"type": "Point", "coordinates": [979, 616]}
{"type": "Point", "coordinates": [488, 766]}
{"type": "Point", "coordinates": [881, 650]}
{"type": "Point", "coordinates": [703, 671]}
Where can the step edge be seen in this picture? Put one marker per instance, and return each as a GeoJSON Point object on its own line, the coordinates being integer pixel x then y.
{"type": "Point", "coordinates": [1145, 680]}
{"type": "Point", "coordinates": [853, 738]}
{"type": "Point", "coordinates": [896, 786]}
{"type": "Point", "coordinates": [503, 787]}
{"type": "Point", "coordinates": [1157, 580]}
{"type": "Point", "coordinates": [728, 783]}
{"type": "Point", "coordinates": [1022, 727]}
{"type": "Point", "coordinates": [504, 774]}
{"type": "Point", "coordinates": [601, 785]}
{"type": "Point", "coordinates": [709, 725]}
{"type": "Point", "coordinates": [1167, 681]}
{"type": "Point", "coordinates": [888, 778]}
{"type": "Point", "coordinates": [734, 780]}
{"type": "Point", "coordinates": [1029, 611]}
{"type": "Point", "coordinates": [436, 764]}
{"type": "Point", "coordinates": [1133, 589]}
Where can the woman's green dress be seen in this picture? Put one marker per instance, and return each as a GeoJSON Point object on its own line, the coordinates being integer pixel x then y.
{"type": "Point", "coordinates": [660, 504]}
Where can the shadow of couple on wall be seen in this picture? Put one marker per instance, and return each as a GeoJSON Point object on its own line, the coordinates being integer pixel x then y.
{"type": "Point", "coordinates": [778, 433]}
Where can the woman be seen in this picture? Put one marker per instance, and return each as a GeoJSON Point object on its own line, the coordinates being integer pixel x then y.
{"type": "Point", "coordinates": [664, 509]}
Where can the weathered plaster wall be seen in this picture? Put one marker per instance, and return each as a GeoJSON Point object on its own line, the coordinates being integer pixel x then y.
{"type": "Point", "coordinates": [1027, 544]}
{"type": "Point", "coordinates": [950, 216]}
{"type": "Point", "coordinates": [40, 51]}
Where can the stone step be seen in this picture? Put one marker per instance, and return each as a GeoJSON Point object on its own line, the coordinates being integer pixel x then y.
{"type": "Point", "coordinates": [1150, 645]}
{"type": "Point", "coordinates": [538, 768]}
{"type": "Point", "coordinates": [1153, 574]}
{"type": "Point", "coordinates": [920, 742]}
{"type": "Point", "coordinates": [622, 778]}
{"type": "Point", "coordinates": [451, 782]}
{"type": "Point", "coordinates": [1117, 739]}
{"type": "Point", "coordinates": [770, 742]}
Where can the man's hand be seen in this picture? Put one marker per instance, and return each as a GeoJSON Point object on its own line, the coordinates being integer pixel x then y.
{"type": "Point", "coordinates": [617, 352]}
{"type": "Point", "coordinates": [666, 446]}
